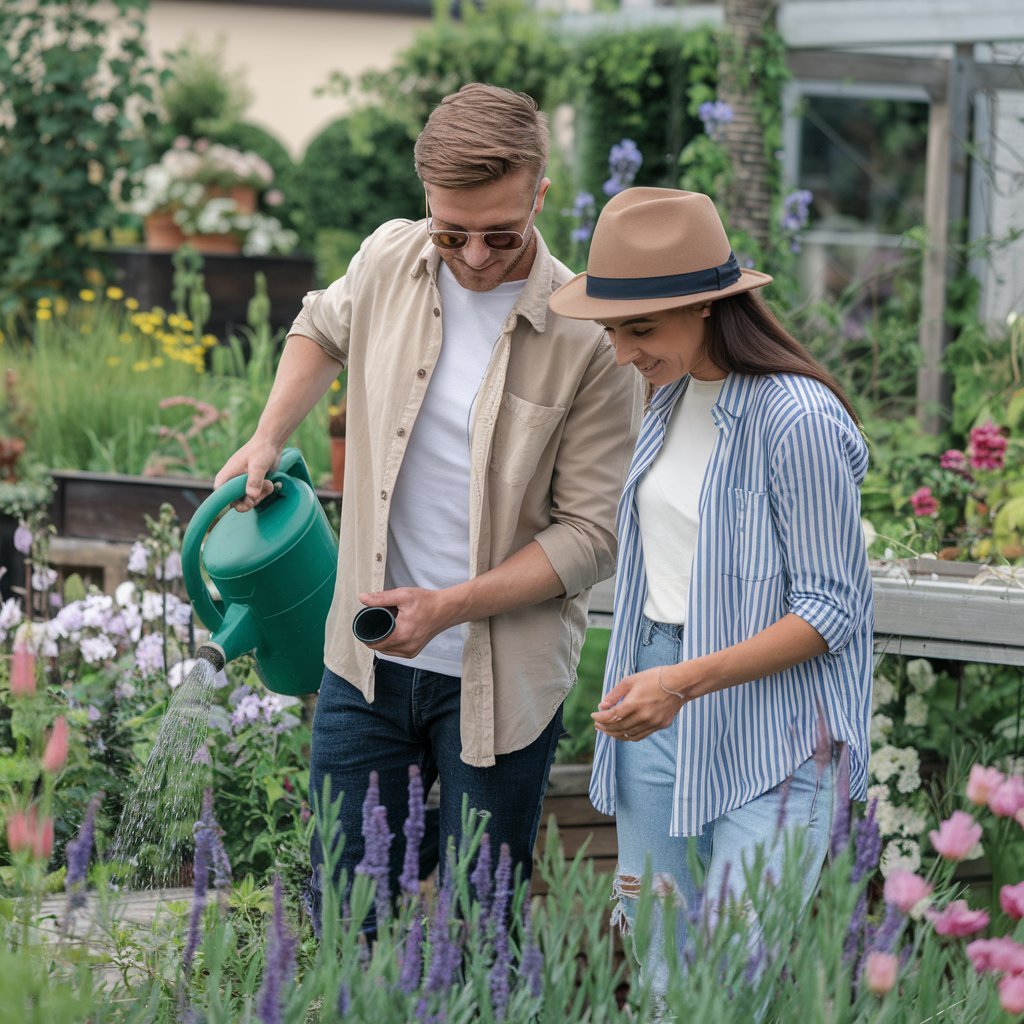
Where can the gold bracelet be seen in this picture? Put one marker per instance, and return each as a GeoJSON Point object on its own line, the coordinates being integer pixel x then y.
{"type": "Point", "coordinates": [675, 693]}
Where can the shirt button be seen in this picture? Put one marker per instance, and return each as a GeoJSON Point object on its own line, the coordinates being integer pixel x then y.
{"type": "Point", "coordinates": [383, 496]}
{"type": "Point", "coordinates": [400, 431]}
{"type": "Point", "coordinates": [421, 373]}
{"type": "Point", "coordinates": [437, 311]}
{"type": "Point", "coordinates": [378, 557]}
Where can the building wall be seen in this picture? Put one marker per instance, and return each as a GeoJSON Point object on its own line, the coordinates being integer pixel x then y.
{"type": "Point", "coordinates": [286, 53]}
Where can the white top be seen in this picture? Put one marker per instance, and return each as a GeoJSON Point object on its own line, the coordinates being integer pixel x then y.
{"type": "Point", "coordinates": [428, 528]}
{"type": "Point", "coordinates": [668, 501]}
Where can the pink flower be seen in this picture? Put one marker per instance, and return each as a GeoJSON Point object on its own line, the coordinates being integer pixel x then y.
{"type": "Point", "coordinates": [958, 919]}
{"type": "Point", "coordinates": [56, 753]}
{"type": "Point", "coordinates": [923, 502]}
{"type": "Point", "coordinates": [274, 197]}
{"type": "Point", "coordinates": [982, 782]}
{"type": "Point", "coordinates": [1011, 993]}
{"type": "Point", "coordinates": [1007, 799]}
{"type": "Point", "coordinates": [1000, 955]}
{"type": "Point", "coordinates": [880, 970]}
{"type": "Point", "coordinates": [1011, 899]}
{"type": "Point", "coordinates": [23, 672]}
{"type": "Point", "coordinates": [987, 447]}
{"type": "Point", "coordinates": [953, 459]}
{"type": "Point", "coordinates": [25, 831]}
{"type": "Point", "coordinates": [904, 889]}
{"type": "Point", "coordinates": [957, 836]}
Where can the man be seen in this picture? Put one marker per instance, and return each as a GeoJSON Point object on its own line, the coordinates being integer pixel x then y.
{"type": "Point", "coordinates": [486, 452]}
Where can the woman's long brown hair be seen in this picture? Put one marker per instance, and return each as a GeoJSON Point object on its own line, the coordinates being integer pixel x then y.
{"type": "Point", "coordinates": [744, 336]}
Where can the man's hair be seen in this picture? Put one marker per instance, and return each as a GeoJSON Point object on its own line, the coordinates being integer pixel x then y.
{"type": "Point", "coordinates": [480, 134]}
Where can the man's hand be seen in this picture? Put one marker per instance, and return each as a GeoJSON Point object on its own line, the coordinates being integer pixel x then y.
{"type": "Point", "coordinates": [636, 707]}
{"type": "Point", "coordinates": [419, 616]}
{"type": "Point", "coordinates": [255, 459]}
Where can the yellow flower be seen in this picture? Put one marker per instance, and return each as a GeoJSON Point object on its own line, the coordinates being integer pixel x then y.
{"type": "Point", "coordinates": [43, 314]}
{"type": "Point", "coordinates": [113, 360]}
{"type": "Point", "coordinates": [87, 295]}
{"type": "Point", "coordinates": [174, 320]}
{"type": "Point", "coordinates": [147, 328]}
{"type": "Point", "coordinates": [209, 340]}
{"type": "Point", "coordinates": [186, 324]}
{"type": "Point", "coordinates": [115, 293]}
{"type": "Point", "coordinates": [333, 410]}
{"type": "Point", "coordinates": [61, 305]}
{"type": "Point", "coordinates": [125, 338]}
{"type": "Point", "coordinates": [157, 362]}
{"type": "Point", "coordinates": [141, 366]}
{"type": "Point", "coordinates": [131, 303]}
{"type": "Point", "coordinates": [44, 303]}
{"type": "Point", "coordinates": [335, 385]}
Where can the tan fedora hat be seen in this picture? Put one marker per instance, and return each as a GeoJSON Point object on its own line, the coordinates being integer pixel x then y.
{"type": "Point", "coordinates": [654, 248]}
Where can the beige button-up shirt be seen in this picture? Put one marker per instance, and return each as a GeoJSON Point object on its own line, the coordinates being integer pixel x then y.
{"type": "Point", "coordinates": [553, 431]}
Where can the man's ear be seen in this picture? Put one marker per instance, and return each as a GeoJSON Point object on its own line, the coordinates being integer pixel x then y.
{"type": "Point", "coordinates": [545, 184]}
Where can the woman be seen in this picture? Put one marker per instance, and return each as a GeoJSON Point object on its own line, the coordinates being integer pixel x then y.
{"type": "Point", "coordinates": [739, 666]}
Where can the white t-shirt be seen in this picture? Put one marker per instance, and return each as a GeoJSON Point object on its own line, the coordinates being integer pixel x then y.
{"type": "Point", "coordinates": [428, 526]}
{"type": "Point", "coordinates": [668, 501]}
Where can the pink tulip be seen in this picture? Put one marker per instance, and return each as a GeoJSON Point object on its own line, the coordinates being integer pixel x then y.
{"type": "Point", "coordinates": [957, 836]}
{"type": "Point", "coordinates": [1001, 955]}
{"type": "Point", "coordinates": [18, 835]}
{"type": "Point", "coordinates": [23, 672]}
{"type": "Point", "coordinates": [1008, 798]}
{"type": "Point", "coordinates": [56, 753]}
{"type": "Point", "coordinates": [880, 972]}
{"type": "Point", "coordinates": [42, 840]}
{"type": "Point", "coordinates": [905, 890]}
{"type": "Point", "coordinates": [958, 919]}
{"type": "Point", "coordinates": [982, 783]}
{"type": "Point", "coordinates": [1011, 993]}
{"type": "Point", "coordinates": [1011, 899]}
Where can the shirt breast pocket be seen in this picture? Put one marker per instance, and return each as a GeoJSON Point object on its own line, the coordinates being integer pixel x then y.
{"type": "Point", "coordinates": [754, 552]}
{"type": "Point", "coordinates": [521, 433]}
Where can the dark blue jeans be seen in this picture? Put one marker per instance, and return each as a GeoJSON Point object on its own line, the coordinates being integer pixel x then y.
{"type": "Point", "coordinates": [414, 719]}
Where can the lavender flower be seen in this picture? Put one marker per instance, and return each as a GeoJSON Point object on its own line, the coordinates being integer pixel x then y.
{"type": "Point", "coordinates": [78, 852]}
{"type": "Point", "coordinates": [867, 845]}
{"type": "Point", "coordinates": [445, 952]}
{"type": "Point", "coordinates": [414, 829]}
{"type": "Point", "coordinates": [624, 160]}
{"type": "Point", "coordinates": [714, 114]}
{"type": "Point", "coordinates": [795, 214]}
{"type": "Point", "coordinates": [841, 823]}
{"type": "Point", "coordinates": [583, 212]}
{"type": "Point", "coordinates": [888, 931]}
{"type": "Point", "coordinates": [149, 654]}
{"type": "Point", "coordinates": [499, 981]}
{"type": "Point", "coordinates": [532, 963]}
{"type": "Point", "coordinates": [138, 558]}
{"type": "Point", "coordinates": [280, 963]}
{"type": "Point", "coordinates": [200, 884]}
{"type": "Point", "coordinates": [344, 1000]}
{"type": "Point", "coordinates": [376, 856]}
{"type": "Point", "coordinates": [412, 961]}
{"type": "Point", "coordinates": [481, 877]}
{"type": "Point", "coordinates": [23, 539]}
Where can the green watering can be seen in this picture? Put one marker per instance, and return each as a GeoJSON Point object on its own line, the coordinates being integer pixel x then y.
{"type": "Point", "coordinates": [274, 568]}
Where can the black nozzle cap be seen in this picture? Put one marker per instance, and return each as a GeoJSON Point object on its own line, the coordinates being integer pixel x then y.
{"type": "Point", "coordinates": [213, 654]}
{"type": "Point", "coordinates": [371, 625]}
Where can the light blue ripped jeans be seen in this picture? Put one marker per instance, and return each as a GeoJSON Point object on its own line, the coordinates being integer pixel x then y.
{"type": "Point", "coordinates": [644, 782]}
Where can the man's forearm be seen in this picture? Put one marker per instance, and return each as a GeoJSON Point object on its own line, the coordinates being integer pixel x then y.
{"type": "Point", "coordinates": [304, 374]}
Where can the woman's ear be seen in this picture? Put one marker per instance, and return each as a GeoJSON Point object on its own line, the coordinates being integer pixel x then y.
{"type": "Point", "coordinates": [706, 311]}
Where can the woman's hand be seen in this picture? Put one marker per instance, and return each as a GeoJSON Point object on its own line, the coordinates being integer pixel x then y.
{"type": "Point", "coordinates": [640, 704]}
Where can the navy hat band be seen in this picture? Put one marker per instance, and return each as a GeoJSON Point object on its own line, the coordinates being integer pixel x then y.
{"type": "Point", "coordinates": [712, 280]}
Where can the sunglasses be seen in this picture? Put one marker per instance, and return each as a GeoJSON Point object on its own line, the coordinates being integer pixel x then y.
{"type": "Point", "coordinates": [501, 241]}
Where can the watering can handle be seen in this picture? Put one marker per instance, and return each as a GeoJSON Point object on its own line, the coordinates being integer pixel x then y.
{"type": "Point", "coordinates": [228, 493]}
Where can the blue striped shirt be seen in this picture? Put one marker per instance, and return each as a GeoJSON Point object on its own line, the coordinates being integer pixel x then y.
{"type": "Point", "coordinates": [779, 532]}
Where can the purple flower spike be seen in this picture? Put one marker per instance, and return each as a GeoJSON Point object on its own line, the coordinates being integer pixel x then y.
{"type": "Point", "coordinates": [482, 879]}
{"type": "Point", "coordinates": [204, 837]}
{"type": "Point", "coordinates": [499, 980]}
{"type": "Point", "coordinates": [344, 1000]}
{"type": "Point", "coordinates": [414, 829]}
{"type": "Point", "coordinates": [867, 845]}
{"type": "Point", "coordinates": [445, 952]}
{"type": "Point", "coordinates": [280, 964]}
{"type": "Point", "coordinates": [376, 855]}
{"type": "Point", "coordinates": [79, 852]}
{"type": "Point", "coordinates": [412, 959]}
{"type": "Point", "coordinates": [841, 824]}
{"type": "Point", "coordinates": [371, 800]}
{"type": "Point", "coordinates": [624, 160]}
{"type": "Point", "coordinates": [532, 964]}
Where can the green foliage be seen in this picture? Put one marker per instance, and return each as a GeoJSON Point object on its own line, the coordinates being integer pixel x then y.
{"type": "Point", "coordinates": [583, 699]}
{"type": "Point", "coordinates": [252, 138]}
{"type": "Point", "coordinates": [199, 96]}
{"type": "Point", "coordinates": [356, 174]}
{"type": "Point", "coordinates": [641, 85]}
{"type": "Point", "coordinates": [68, 81]}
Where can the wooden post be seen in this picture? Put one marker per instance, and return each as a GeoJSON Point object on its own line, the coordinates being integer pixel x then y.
{"type": "Point", "coordinates": [945, 207]}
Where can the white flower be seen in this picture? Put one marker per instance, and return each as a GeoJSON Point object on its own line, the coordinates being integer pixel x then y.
{"type": "Point", "coordinates": [881, 726]}
{"type": "Point", "coordinates": [96, 610]}
{"type": "Point", "coordinates": [38, 638]}
{"type": "Point", "coordinates": [96, 648]}
{"type": "Point", "coordinates": [152, 606]}
{"type": "Point", "coordinates": [43, 578]}
{"type": "Point", "coordinates": [915, 710]}
{"type": "Point", "coordinates": [178, 673]}
{"type": "Point", "coordinates": [149, 654]}
{"type": "Point", "coordinates": [901, 855]}
{"type": "Point", "coordinates": [882, 692]}
{"type": "Point", "coordinates": [870, 533]}
{"type": "Point", "coordinates": [10, 614]}
{"type": "Point", "coordinates": [138, 559]}
{"type": "Point", "coordinates": [920, 674]}
{"type": "Point", "coordinates": [124, 595]}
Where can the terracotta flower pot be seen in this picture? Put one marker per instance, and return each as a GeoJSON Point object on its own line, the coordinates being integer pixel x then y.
{"type": "Point", "coordinates": [161, 233]}
{"type": "Point", "coordinates": [223, 244]}
{"type": "Point", "coordinates": [243, 195]}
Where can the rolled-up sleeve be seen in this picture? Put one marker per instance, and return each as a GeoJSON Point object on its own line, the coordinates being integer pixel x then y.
{"type": "Point", "coordinates": [816, 504]}
{"type": "Point", "coordinates": [593, 456]}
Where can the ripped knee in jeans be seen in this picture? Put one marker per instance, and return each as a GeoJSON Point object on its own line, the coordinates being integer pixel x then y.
{"type": "Point", "coordinates": [626, 887]}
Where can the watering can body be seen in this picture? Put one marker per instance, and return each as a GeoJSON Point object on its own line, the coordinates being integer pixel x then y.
{"type": "Point", "coordinates": [274, 569]}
